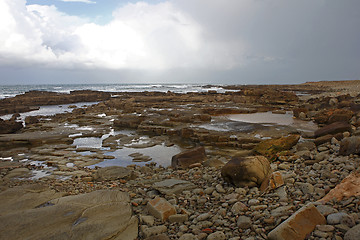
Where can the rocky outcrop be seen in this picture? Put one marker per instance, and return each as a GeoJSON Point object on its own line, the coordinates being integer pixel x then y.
{"type": "Point", "coordinates": [9, 126]}
{"type": "Point", "coordinates": [331, 116]}
{"type": "Point", "coordinates": [271, 147]}
{"type": "Point", "coordinates": [101, 214]}
{"type": "Point", "coordinates": [333, 128]}
{"type": "Point", "coordinates": [25, 102]}
{"type": "Point", "coordinates": [113, 173]}
{"type": "Point", "coordinates": [187, 158]}
{"type": "Point", "coordinates": [246, 171]}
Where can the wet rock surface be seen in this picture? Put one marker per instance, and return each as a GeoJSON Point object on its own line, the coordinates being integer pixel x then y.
{"type": "Point", "coordinates": [50, 167]}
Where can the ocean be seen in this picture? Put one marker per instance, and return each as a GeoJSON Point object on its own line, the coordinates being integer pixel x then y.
{"type": "Point", "coordinates": [13, 90]}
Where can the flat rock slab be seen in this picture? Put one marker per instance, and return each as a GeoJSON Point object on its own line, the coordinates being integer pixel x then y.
{"type": "Point", "coordinates": [103, 214]}
{"type": "Point", "coordinates": [173, 186]}
{"type": "Point", "coordinates": [298, 225]}
{"type": "Point", "coordinates": [113, 173]}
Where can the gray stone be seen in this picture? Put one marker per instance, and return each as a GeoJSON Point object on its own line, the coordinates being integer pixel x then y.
{"type": "Point", "coordinates": [148, 232]}
{"type": "Point", "coordinates": [238, 207]}
{"type": "Point", "coordinates": [340, 218]}
{"type": "Point", "coordinates": [148, 220]}
{"type": "Point", "coordinates": [306, 188]}
{"type": "Point", "coordinates": [178, 218]}
{"type": "Point", "coordinates": [353, 233]}
{"type": "Point", "coordinates": [326, 210]}
{"type": "Point", "coordinates": [244, 222]}
{"type": "Point", "coordinates": [216, 236]}
{"type": "Point", "coordinates": [173, 186]}
{"type": "Point", "coordinates": [188, 236]}
{"type": "Point", "coordinates": [203, 217]}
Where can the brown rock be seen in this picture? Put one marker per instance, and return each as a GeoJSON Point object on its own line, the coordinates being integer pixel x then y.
{"type": "Point", "coordinates": [9, 126]}
{"type": "Point", "coordinates": [349, 186]}
{"type": "Point", "coordinates": [350, 145]}
{"type": "Point", "coordinates": [297, 226]}
{"type": "Point", "coordinates": [271, 147]}
{"type": "Point", "coordinates": [333, 128]}
{"type": "Point", "coordinates": [246, 171]}
{"type": "Point", "coordinates": [185, 159]}
{"type": "Point", "coordinates": [274, 181]}
{"type": "Point", "coordinates": [160, 208]}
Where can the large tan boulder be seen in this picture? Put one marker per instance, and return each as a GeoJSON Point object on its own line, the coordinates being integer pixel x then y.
{"type": "Point", "coordinates": [246, 171]}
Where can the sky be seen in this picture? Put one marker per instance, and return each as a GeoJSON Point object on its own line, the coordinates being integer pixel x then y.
{"type": "Point", "coordinates": [179, 41]}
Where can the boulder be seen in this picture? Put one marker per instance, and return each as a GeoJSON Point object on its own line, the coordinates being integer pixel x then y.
{"type": "Point", "coordinates": [350, 145]}
{"type": "Point", "coordinates": [97, 215]}
{"type": "Point", "coordinates": [333, 128]}
{"type": "Point", "coordinates": [187, 158]}
{"type": "Point", "coordinates": [31, 120]}
{"type": "Point", "coordinates": [9, 126]}
{"type": "Point", "coordinates": [353, 233]}
{"type": "Point", "coordinates": [349, 186]}
{"type": "Point", "coordinates": [269, 148]}
{"type": "Point", "coordinates": [113, 173]}
{"type": "Point", "coordinates": [299, 225]}
{"type": "Point", "coordinates": [246, 171]}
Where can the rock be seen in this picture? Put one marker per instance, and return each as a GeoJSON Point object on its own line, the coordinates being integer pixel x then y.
{"type": "Point", "coordinates": [18, 172]}
{"type": "Point", "coordinates": [326, 210]}
{"type": "Point", "coordinates": [26, 197]}
{"type": "Point", "coordinates": [349, 186]}
{"type": "Point", "coordinates": [148, 220]}
{"type": "Point", "coordinates": [216, 236]}
{"type": "Point", "coordinates": [178, 218]}
{"type": "Point", "coordinates": [353, 233]}
{"type": "Point", "coordinates": [31, 120]}
{"type": "Point", "coordinates": [219, 188]}
{"type": "Point", "coordinates": [246, 171]}
{"type": "Point", "coordinates": [187, 158]}
{"type": "Point", "coordinates": [113, 173]}
{"type": "Point", "coordinates": [158, 237]}
{"type": "Point", "coordinates": [160, 208]}
{"type": "Point", "coordinates": [188, 236]}
{"type": "Point", "coordinates": [216, 163]}
{"type": "Point", "coordinates": [173, 186]}
{"type": "Point", "coordinates": [9, 126]}
{"type": "Point", "coordinates": [203, 217]}
{"type": "Point", "coordinates": [244, 222]}
{"type": "Point", "coordinates": [152, 231]}
{"type": "Point", "coordinates": [271, 147]}
{"type": "Point", "coordinates": [350, 145]}
{"type": "Point", "coordinates": [340, 218]}
{"type": "Point", "coordinates": [297, 226]}
{"type": "Point", "coordinates": [238, 207]}
{"type": "Point", "coordinates": [275, 180]}
{"type": "Point", "coordinates": [333, 128]}
{"type": "Point", "coordinates": [306, 188]}
{"type": "Point", "coordinates": [97, 215]}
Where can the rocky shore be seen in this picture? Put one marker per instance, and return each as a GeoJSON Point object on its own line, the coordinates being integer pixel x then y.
{"type": "Point", "coordinates": [97, 172]}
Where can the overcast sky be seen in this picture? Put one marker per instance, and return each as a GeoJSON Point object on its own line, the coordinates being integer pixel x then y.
{"type": "Point", "coordinates": [179, 41]}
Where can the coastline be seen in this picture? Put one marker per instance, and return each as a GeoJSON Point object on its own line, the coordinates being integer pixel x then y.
{"type": "Point", "coordinates": [207, 205]}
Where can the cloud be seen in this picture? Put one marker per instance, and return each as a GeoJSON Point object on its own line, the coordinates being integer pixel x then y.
{"type": "Point", "coordinates": [82, 1]}
{"type": "Point", "coordinates": [248, 39]}
{"type": "Point", "coordinates": [140, 36]}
